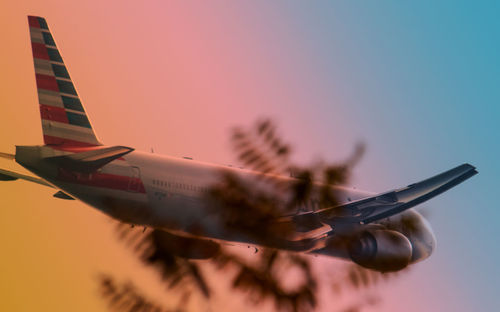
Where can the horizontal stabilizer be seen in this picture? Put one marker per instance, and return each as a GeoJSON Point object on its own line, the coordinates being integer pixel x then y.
{"type": "Point", "coordinates": [7, 156]}
{"type": "Point", "coordinates": [6, 175]}
{"type": "Point", "coordinates": [92, 160]}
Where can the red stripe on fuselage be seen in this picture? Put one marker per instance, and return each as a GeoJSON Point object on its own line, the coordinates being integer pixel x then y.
{"type": "Point", "coordinates": [46, 82]}
{"type": "Point", "coordinates": [103, 180]}
{"type": "Point", "coordinates": [39, 51]}
{"type": "Point", "coordinates": [53, 113]}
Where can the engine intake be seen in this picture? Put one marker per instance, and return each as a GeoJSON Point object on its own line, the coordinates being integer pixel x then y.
{"type": "Point", "coordinates": [381, 250]}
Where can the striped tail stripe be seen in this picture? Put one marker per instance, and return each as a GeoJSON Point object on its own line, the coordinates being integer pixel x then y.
{"type": "Point", "coordinates": [64, 121]}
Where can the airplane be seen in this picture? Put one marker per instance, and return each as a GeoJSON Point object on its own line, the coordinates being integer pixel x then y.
{"type": "Point", "coordinates": [169, 193]}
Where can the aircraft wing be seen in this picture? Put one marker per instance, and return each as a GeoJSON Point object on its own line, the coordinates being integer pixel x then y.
{"type": "Point", "coordinates": [6, 175]}
{"type": "Point", "coordinates": [386, 204]}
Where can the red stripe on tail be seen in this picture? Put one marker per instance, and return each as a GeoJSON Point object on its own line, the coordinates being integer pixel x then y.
{"type": "Point", "coordinates": [46, 82]}
{"type": "Point", "coordinates": [53, 113]}
{"type": "Point", "coordinates": [39, 51]}
{"type": "Point", "coordinates": [33, 21]}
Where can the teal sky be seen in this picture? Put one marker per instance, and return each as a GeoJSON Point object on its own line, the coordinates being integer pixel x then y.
{"type": "Point", "coordinates": [419, 83]}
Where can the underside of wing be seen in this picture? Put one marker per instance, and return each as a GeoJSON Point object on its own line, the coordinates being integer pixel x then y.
{"type": "Point", "coordinates": [386, 204]}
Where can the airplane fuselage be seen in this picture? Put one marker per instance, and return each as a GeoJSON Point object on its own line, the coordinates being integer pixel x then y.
{"type": "Point", "coordinates": [171, 193]}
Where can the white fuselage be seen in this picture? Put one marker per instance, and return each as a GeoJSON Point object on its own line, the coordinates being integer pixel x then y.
{"type": "Point", "coordinates": [168, 193]}
{"type": "Point", "coordinates": [175, 192]}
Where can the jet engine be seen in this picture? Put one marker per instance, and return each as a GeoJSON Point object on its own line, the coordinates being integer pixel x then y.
{"type": "Point", "coordinates": [381, 250]}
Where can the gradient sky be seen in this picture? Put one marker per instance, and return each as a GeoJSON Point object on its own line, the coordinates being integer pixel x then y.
{"type": "Point", "coordinates": [418, 83]}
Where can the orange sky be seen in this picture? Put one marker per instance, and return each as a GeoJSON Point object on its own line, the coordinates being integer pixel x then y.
{"type": "Point", "coordinates": [177, 76]}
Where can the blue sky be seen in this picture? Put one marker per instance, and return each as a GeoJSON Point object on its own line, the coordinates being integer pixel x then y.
{"type": "Point", "coordinates": [420, 85]}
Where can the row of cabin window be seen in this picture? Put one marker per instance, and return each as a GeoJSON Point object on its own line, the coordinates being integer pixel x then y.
{"type": "Point", "coordinates": [312, 204]}
{"type": "Point", "coordinates": [183, 186]}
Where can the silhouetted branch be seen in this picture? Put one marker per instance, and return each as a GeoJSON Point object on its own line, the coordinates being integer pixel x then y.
{"type": "Point", "coordinates": [261, 280]}
{"type": "Point", "coordinates": [126, 298]}
{"type": "Point", "coordinates": [164, 252]}
{"type": "Point", "coordinates": [252, 208]}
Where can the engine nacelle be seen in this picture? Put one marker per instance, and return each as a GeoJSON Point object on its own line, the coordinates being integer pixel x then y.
{"type": "Point", "coordinates": [381, 250]}
{"type": "Point", "coordinates": [417, 229]}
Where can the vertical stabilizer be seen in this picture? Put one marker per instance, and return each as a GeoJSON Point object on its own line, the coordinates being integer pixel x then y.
{"type": "Point", "coordinates": [64, 121]}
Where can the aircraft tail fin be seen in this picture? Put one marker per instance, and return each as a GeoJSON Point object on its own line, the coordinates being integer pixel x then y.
{"type": "Point", "coordinates": [64, 121]}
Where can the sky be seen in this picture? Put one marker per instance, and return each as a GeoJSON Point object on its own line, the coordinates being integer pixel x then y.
{"type": "Point", "coordinates": [417, 82]}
